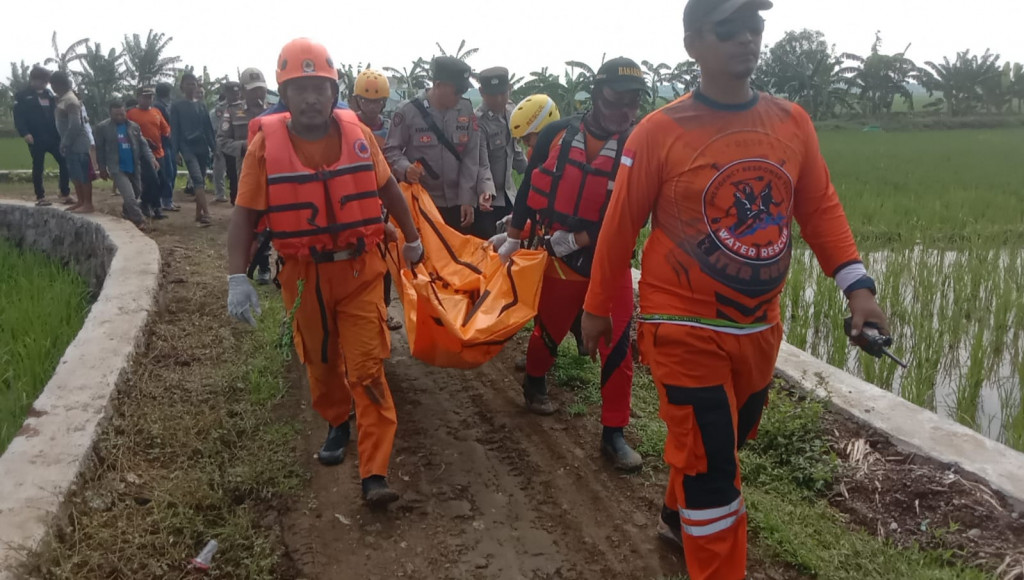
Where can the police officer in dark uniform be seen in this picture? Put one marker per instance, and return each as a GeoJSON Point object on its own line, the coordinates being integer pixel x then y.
{"type": "Point", "coordinates": [233, 131]}
{"type": "Point", "coordinates": [232, 139]}
{"type": "Point", "coordinates": [224, 164]}
{"type": "Point", "coordinates": [435, 141]}
{"type": "Point", "coordinates": [503, 153]}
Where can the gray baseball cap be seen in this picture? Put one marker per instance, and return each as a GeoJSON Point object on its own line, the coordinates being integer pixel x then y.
{"type": "Point", "coordinates": [700, 12]}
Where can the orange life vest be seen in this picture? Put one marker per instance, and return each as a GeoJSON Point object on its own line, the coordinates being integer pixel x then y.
{"type": "Point", "coordinates": [567, 192]}
{"type": "Point", "coordinates": [327, 209]}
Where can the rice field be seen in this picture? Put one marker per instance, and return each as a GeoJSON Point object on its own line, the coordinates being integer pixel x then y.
{"type": "Point", "coordinates": [939, 218]}
{"type": "Point", "coordinates": [42, 308]}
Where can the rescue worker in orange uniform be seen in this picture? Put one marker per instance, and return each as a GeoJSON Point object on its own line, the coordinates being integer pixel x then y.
{"type": "Point", "coordinates": [711, 275]}
{"type": "Point", "coordinates": [319, 178]}
{"type": "Point", "coordinates": [565, 191]}
{"type": "Point", "coordinates": [370, 96]}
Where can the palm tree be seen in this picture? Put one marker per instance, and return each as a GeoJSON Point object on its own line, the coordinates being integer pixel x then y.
{"type": "Point", "coordinates": [64, 58]}
{"type": "Point", "coordinates": [805, 69]}
{"type": "Point", "coordinates": [959, 81]}
{"type": "Point", "coordinates": [880, 78]}
{"type": "Point", "coordinates": [657, 75]}
{"type": "Point", "coordinates": [540, 83]}
{"type": "Point", "coordinates": [685, 77]}
{"type": "Point", "coordinates": [6, 101]}
{"type": "Point", "coordinates": [1017, 86]}
{"type": "Point", "coordinates": [19, 76]}
{"type": "Point", "coordinates": [460, 53]}
{"type": "Point", "coordinates": [101, 79]}
{"type": "Point", "coordinates": [410, 79]}
{"type": "Point", "coordinates": [575, 88]}
{"type": "Point", "coordinates": [145, 61]}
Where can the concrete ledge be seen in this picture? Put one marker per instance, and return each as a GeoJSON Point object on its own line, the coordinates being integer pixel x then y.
{"type": "Point", "coordinates": [43, 461]}
{"type": "Point", "coordinates": [909, 427]}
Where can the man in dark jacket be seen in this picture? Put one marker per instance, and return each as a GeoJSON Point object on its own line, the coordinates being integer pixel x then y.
{"type": "Point", "coordinates": [33, 117]}
{"type": "Point", "coordinates": [192, 134]}
{"type": "Point", "coordinates": [168, 166]}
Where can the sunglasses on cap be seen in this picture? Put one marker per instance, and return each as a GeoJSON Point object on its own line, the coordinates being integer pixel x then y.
{"type": "Point", "coordinates": [730, 28]}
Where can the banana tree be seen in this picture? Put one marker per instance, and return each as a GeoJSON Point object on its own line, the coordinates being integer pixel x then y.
{"type": "Point", "coordinates": [145, 62]}
{"type": "Point", "coordinates": [960, 80]}
{"type": "Point", "coordinates": [410, 79]}
{"type": "Point", "coordinates": [879, 79]}
{"type": "Point", "coordinates": [101, 79]}
{"type": "Point", "coordinates": [63, 59]}
{"type": "Point", "coordinates": [462, 53]}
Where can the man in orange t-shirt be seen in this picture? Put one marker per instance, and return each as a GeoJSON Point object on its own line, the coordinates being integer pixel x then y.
{"type": "Point", "coordinates": [154, 129]}
{"type": "Point", "coordinates": [325, 220]}
{"type": "Point", "coordinates": [723, 171]}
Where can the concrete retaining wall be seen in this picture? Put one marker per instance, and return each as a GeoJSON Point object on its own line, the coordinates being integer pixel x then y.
{"type": "Point", "coordinates": [908, 426]}
{"type": "Point", "coordinates": [122, 267]}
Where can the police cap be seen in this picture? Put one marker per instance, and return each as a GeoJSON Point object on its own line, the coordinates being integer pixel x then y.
{"type": "Point", "coordinates": [448, 69]}
{"type": "Point", "coordinates": [493, 81]}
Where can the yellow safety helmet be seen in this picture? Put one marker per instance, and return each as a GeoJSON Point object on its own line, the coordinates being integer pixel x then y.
{"type": "Point", "coordinates": [532, 115]}
{"type": "Point", "coordinates": [371, 84]}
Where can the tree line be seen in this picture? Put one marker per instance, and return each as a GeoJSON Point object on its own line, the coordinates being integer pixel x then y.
{"type": "Point", "coordinates": [802, 67]}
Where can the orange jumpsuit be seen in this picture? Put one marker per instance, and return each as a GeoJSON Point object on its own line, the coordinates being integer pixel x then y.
{"type": "Point", "coordinates": [723, 184]}
{"type": "Point", "coordinates": [357, 337]}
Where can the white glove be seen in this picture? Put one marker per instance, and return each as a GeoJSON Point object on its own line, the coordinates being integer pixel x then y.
{"type": "Point", "coordinates": [498, 241]}
{"type": "Point", "coordinates": [502, 225]}
{"type": "Point", "coordinates": [563, 243]}
{"type": "Point", "coordinates": [413, 252]}
{"type": "Point", "coordinates": [243, 301]}
{"type": "Point", "coordinates": [508, 248]}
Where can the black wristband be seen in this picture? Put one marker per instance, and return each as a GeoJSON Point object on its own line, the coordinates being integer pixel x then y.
{"type": "Point", "coordinates": [864, 282]}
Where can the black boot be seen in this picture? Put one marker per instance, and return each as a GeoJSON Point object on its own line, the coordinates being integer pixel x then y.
{"type": "Point", "coordinates": [158, 214]}
{"type": "Point", "coordinates": [377, 493]}
{"type": "Point", "coordinates": [615, 448]}
{"type": "Point", "coordinates": [670, 528]}
{"type": "Point", "coordinates": [535, 391]}
{"type": "Point", "coordinates": [333, 451]}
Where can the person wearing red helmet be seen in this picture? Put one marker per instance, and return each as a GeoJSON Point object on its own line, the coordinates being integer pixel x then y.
{"type": "Point", "coordinates": [318, 179]}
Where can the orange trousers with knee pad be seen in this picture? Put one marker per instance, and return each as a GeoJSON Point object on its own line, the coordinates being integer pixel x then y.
{"type": "Point", "coordinates": [342, 338]}
{"type": "Point", "coordinates": [712, 388]}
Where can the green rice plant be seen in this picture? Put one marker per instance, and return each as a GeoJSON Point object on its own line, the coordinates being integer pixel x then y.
{"type": "Point", "coordinates": [42, 308]}
{"type": "Point", "coordinates": [1013, 417]}
{"type": "Point", "coordinates": [797, 322]}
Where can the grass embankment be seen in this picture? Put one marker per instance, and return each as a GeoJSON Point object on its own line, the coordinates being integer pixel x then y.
{"type": "Point", "coordinates": [42, 308]}
{"type": "Point", "coordinates": [194, 454]}
{"type": "Point", "coordinates": [14, 155]}
{"type": "Point", "coordinates": [787, 471]}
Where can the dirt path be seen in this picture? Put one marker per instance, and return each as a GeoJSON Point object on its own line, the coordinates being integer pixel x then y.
{"type": "Point", "coordinates": [488, 491]}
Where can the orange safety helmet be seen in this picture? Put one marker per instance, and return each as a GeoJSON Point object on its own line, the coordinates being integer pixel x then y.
{"type": "Point", "coordinates": [304, 58]}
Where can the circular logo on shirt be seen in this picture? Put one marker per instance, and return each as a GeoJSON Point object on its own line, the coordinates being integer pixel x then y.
{"type": "Point", "coordinates": [362, 148]}
{"type": "Point", "coordinates": [747, 208]}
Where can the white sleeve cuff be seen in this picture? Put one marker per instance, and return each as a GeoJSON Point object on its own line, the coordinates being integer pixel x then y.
{"type": "Point", "coordinates": [849, 275]}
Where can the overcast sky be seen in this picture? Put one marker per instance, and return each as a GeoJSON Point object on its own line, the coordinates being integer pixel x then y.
{"type": "Point", "coordinates": [231, 35]}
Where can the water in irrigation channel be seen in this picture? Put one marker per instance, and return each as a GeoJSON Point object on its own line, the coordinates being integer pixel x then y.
{"type": "Point", "coordinates": [957, 319]}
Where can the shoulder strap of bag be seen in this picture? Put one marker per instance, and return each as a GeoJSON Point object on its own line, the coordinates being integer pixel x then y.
{"type": "Point", "coordinates": [432, 125]}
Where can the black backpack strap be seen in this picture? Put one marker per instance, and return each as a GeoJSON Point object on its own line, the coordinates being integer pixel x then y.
{"type": "Point", "coordinates": [563, 158]}
{"type": "Point", "coordinates": [432, 125]}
